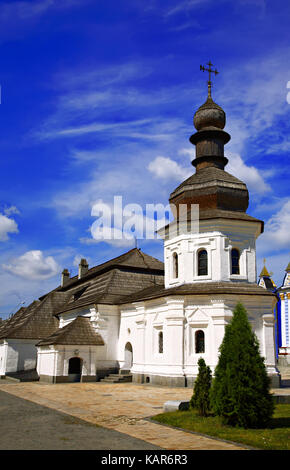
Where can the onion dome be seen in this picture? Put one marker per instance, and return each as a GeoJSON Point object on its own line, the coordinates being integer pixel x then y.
{"type": "Point", "coordinates": [209, 114]}
{"type": "Point", "coordinates": [210, 138]}
{"type": "Point", "coordinates": [216, 192]}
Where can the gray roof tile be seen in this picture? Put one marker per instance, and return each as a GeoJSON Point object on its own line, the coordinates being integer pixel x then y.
{"type": "Point", "coordinates": [77, 332]}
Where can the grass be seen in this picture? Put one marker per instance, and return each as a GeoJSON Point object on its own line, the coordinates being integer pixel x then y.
{"type": "Point", "coordinates": [274, 437]}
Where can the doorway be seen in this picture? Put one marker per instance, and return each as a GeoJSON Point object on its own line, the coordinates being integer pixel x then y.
{"type": "Point", "coordinates": [74, 369]}
{"type": "Point", "coordinates": [128, 356]}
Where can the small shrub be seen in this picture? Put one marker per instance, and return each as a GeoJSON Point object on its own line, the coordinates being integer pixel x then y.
{"type": "Point", "coordinates": [201, 392]}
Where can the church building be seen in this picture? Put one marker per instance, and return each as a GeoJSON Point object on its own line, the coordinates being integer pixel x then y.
{"type": "Point", "coordinates": [148, 321]}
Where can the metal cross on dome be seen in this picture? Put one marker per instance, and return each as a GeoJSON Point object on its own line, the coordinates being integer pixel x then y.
{"type": "Point", "coordinates": [209, 70]}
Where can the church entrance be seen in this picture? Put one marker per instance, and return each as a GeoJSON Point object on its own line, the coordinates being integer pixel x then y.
{"type": "Point", "coordinates": [128, 356]}
{"type": "Point", "coordinates": [74, 369]}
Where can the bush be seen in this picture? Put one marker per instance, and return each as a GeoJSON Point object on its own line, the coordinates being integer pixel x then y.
{"type": "Point", "coordinates": [201, 398]}
{"type": "Point", "coordinates": [240, 391]}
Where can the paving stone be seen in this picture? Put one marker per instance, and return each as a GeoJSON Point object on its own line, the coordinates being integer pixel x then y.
{"type": "Point", "coordinates": [113, 412]}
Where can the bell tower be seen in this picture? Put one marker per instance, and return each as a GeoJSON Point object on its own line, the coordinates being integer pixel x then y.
{"type": "Point", "coordinates": [223, 249]}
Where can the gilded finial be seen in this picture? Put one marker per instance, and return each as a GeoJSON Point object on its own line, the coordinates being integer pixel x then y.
{"type": "Point", "coordinates": [209, 70]}
{"type": "Point", "coordinates": [264, 271]}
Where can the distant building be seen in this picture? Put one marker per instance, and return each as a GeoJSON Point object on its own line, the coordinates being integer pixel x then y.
{"type": "Point", "coordinates": [284, 293]}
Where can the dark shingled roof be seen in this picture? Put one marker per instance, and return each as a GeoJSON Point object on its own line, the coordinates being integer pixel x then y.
{"type": "Point", "coordinates": [36, 321]}
{"type": "Point", "coordinates": [133, 259]}
{"type": "Point", "coordinates": [107, 283]}
{"type": "Point", "coordinates": [207, 177]}
{"type": "Point", "coordinates": [110, 288]}
{"type": "Point", "coordinates": [77, 332]}
{"type": "Point", "coordinates": [198, 288]}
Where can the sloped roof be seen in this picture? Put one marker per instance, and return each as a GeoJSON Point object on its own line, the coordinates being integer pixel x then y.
{"type": "Point", "coordinates": [264, 272]}
{"type": "Point", "coordinates": [18, 319]}
{"type": "Point", "coordinates": [209, 176]}
{"type": "Point", "coordinates": [133, 259]}
{"type": "Point", "coordinates": [110, 288]}
{"type": "Point", "coordinates": [198, 288]}
{"type": "Point", "coordinates": [77, 332]}
{"type": "Point", "coordinates": [106, 283]}
{"type": "Point", "coordinates": [35, 321]}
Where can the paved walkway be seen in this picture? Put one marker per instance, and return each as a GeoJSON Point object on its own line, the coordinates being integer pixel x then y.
{"type": "Point", "coordinates": [119, 407]}
{"type": "Point", "coordinates": [27, 426]}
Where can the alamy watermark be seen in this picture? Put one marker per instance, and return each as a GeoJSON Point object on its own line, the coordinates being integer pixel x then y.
{"type": "Point", "coordinates": [118, 222]}
{"type": "Point", "coordinates": [288, 94]}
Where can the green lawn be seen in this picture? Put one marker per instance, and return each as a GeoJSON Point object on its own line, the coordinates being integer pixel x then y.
{"type": "Point", "coordinates": [275, 436]}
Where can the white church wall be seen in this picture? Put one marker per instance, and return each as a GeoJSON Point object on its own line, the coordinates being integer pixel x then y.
{"type": "Point", "coordinates": [179, 319]}
{"type": "Point", "coordinates": [53, 361]}
{"type": "Point", "coordinates": [228, 234]}
{"type": "Point", "coordinates": [105, 319]}
{"type": "Point", "coordinates": [46, 361]}
{"type": "Point", "coordinates": [21, 355]}
{"type": "Point", "coordinates": [68, 317]}
{"type": "Point", "coordinates": [3, 356]}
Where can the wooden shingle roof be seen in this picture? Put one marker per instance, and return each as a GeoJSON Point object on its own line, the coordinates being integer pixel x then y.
{"type": "Point", "coordinates": [198, 288]}
{"type": "Point", "coordinates": [106, 283]}
{"type": "Point", "coordinates": [110, 288]}
{"type": "Point", "coordinates": [36, 321]}
{"type": "Point", "coordinates": [77, 332]}
{"type": "Point", "coordinates": [134, 259]}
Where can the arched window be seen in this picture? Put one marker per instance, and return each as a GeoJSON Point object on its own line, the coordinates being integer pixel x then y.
{"type": "Point", "coordinates": [199, 342]}
{"type": "Point", "coordinates": [160, 342]}
{"type": "Point", "coordinates": [235, 261]}
{"type": "Point", "coordinates": [202, 263]}
{"type": "Point", "coordinates": [175, 265]}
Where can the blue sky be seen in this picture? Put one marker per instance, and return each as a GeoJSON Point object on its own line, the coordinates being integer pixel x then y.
{"type": "Point", "coordinates": [97, 100]}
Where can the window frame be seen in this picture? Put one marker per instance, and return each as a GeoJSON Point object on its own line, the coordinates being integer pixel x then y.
{"type": "Point", "coordinates": [200, 251]}
{"type": "Point", "coordinates": [196, 344]}
{"type": "Point", "coordinates": [231, 261]}
{"type": "Point", "coordinates": [175, 270]}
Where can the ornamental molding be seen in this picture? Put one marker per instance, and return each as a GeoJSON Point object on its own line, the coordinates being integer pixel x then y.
{"type": "Point", "coordinates": [177, 301]}
{"type": "Point", "coordinates": [198, 317]}
{"type": "Point", "coordinates": [158, 320]}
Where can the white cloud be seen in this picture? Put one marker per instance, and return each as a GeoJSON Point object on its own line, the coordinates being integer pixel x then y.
{"type": "Point", "coordinates": [33, 265]}
{"type": "Point", "coordinates": [185, 6]}
{"type": "Point", "coordinates": [25, 10]}
{"type": "Point", "coordinates": [120, 225]}
{"type": "Point", "coordinates": [11, 210]}
{"type": "Point", "coordinates": [276, 235]}
{"type": "Point", "coordinates": [7, 226]}
{"type": "Point", "coordinates": [249, 174]}
{"type": "Point", "coordinates": [167, 169]}
{"type": "Point", "coordinates": [282, 147]}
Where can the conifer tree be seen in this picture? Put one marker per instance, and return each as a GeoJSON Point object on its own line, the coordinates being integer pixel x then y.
{"type": "Point", "coordinates": [201, 398]}
{"type": "Point", "coordinates": [240, 391]}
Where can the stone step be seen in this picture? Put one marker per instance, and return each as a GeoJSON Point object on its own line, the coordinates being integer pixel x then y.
{"type": "Point", "coordinates": [115, 381]}
{"type": "Point", "coordinates": [117, 378]}
{"type": "Point", "coordinates": [120, 375]}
